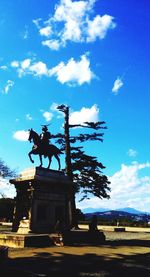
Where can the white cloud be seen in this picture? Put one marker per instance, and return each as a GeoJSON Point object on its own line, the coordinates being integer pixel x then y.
{"type": "Point", "coordinates": [128, 189]}
{"type": "Point", "coordinates": [28, 117]}
{"type": "Point", "coordinates": [52, 44]}
{"type": "Point", "coordinates": [54, 106]}
{"type": "Point", "coordinates": [25, 33]}
{"type": "Point", "coordinates": [132, 153]}
{"type": "Point", "coordinates": [73, 72]}
{"type": "Point", "coordinates": [25, 63]}
{"type": "Point", "coordinates": [27, 66]}
{"type": "Point", "coordinates": [68, 9]}
{"type": "Point", "coordinates": [72, 21]}
{"type": "Point", "coordinates": [46, 31]}
{"type": "Point", "coordinates": [99, 26]}
{"type": "Point", "coordinates": [8, 85]}
{"type": "Point", "coordinates": [39, 68]}
{"type": "Point", "coordinates": [84, 115]}
{"type": "Point", "coordinates": [37, 22]}
{"type": "Point", "coordinates": [117, 85]}
{"type": "Point", "coordinates": [3, 67]}
{"type": "Point", "coordinates": [21, 135]}
{"type": "Point", "coordinates": [47, 115]}
{"type": "Point", "coordinates": [15, 64]}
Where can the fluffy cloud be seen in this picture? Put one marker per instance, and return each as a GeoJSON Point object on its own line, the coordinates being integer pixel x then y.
{"type": "Point", "coordinates": [98, 27]}
{"type": "Point", "coordinates": [8, 85]}
{"type": "Point", "coordinates": [117, 85]}
{"type": "Point", "coordinates": [71, 73]}
{"type": "Point", "coordinates": [128, 189]}
{"type": "Point", "coordinates": [52, 44]}
{"type": "Point", "coordinates": [46, 31]}
{"type": "Point", "coordinates": [84, 115]}
{"type": "Point", "coordinates": [76, 117]}
{"type": "Point", "coordinates": [3, 67]}
{"type": "Point", "coordinates": [28, 117]}
{"type": "Point", "coordinates": [15, 64]}
{"type": "Point", "coordinates": [28, 66]}
{"type": "Point", "coordinates": [39, 68]}
{"type": "Point", "coordinates": [25, 64]}
{"type": "Point", "coordinates": [54, 106]}
{"type": "Point", "coordinates": [72, 21]}
{"type": "Point", "coordinates": [21, 135]}
{"type": "Point", "coordinates": [132, 153]}
{"type": "Point", "coordinates": [47, 115]}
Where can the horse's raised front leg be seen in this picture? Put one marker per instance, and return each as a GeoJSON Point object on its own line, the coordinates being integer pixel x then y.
{"type": "Point", "coordinates": [29, 154]}
{"type": "Point", "coordinates": [58, 160]}
{"type": "Point", "coordinates": [50, 159]}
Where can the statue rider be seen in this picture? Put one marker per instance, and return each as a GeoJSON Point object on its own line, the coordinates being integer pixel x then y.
{"type": "Point", "coordinates": [45, 137]}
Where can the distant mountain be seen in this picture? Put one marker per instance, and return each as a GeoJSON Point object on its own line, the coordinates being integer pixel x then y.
{"type": "Point", "coordinates": [118, 214]}
{"type": "Point", "coordinates": [126, 209]}
{"type": "Point", "coordinates": [131, 210]}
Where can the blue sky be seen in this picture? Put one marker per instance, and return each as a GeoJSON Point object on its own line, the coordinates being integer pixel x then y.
{"type": "Point", "coordinates": [93, 56]}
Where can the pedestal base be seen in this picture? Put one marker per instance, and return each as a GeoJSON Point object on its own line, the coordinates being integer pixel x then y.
{"type": "Point", "coordinates": [25, 240]}
{"type": "Point", "coordinates": [83, 237]}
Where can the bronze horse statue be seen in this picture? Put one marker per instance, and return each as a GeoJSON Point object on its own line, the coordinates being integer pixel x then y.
{"type": "Point", "coordinates": [39, 149]}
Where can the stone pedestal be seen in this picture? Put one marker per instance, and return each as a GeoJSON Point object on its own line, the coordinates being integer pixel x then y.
{"type": "Point", "coordinates": [43, 198]}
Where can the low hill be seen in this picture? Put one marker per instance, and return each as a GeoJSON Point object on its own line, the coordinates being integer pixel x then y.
{"type": "Point", "coordinates": [115, 214]}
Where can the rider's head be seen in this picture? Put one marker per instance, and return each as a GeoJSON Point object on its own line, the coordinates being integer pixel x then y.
{"type": "Point", "coordinates": [44, 128]}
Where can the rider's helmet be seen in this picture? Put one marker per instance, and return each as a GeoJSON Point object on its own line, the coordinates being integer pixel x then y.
{"type": "Point", "coordinates": [44, 128]}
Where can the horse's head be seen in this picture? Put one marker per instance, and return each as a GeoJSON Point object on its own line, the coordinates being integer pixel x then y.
{"type": "Point", "coordinates": [30, 134]}
{"type": "Point", "coordinates": [34, 136]}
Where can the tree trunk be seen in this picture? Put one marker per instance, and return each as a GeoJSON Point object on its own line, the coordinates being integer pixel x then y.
{"type": "Point", "coordinates": [69, 173]}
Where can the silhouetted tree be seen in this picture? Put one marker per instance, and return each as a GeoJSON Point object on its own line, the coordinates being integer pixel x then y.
{"type": "Point", "coordinates": [5, 171]}
{"type": "Point", "coordinates": [84, 170]}
{"type": "Point", "coordinates": [6, 209]}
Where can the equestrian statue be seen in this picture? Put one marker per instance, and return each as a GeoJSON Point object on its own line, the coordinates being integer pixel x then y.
{"type": "Point", "coordinates": [43, 147]}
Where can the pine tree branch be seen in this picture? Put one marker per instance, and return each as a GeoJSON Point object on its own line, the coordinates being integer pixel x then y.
{"type": "Point", "coordinates": [86, 137]}
{"type": "Point", "coordinates": [92, 125]}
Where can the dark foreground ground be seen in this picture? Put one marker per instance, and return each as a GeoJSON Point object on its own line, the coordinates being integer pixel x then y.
{"type": "Point", "coordinates": [122, 254]}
